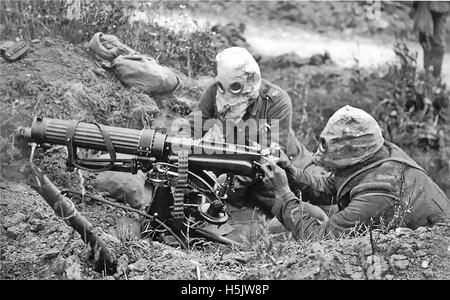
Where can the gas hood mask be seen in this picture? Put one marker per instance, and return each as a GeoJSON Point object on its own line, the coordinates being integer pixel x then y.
{"type": "Point", "coordinates": [351, 136]}
{"type": "Point", "coordinates": [238, 81]}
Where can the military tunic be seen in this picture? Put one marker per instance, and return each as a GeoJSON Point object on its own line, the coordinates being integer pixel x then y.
{"type": "Point", "coordinates": [276, 107]}
{"type": "Point", "coordinates": [388, 190]}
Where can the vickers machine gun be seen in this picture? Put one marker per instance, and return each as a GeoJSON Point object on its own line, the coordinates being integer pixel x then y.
{"type": "Point", "coordinates": [178, 163]}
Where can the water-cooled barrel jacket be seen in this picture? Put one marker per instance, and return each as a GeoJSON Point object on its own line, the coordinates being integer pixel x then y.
{"type": "Point", "coordinates": [389, 186]}
{"type": "Point", "coordinates": [277, 106]}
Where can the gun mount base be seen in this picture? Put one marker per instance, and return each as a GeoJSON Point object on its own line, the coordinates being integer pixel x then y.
{"type": "Point", "coordinates": [213, 213]}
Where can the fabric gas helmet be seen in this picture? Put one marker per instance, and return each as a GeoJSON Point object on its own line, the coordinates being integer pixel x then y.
{"type": "Point", "coordinates": [238, 81]}
{"type": "Point", "coordinates": [351, 136]}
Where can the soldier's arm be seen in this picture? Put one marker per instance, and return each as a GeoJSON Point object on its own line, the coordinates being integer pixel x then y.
{"type": "Point", "coordinates": [317, 189]}
{"type": "Point", "coordinates": [367, 204]}
{"type": "Point", "coordinates": [279, 114]}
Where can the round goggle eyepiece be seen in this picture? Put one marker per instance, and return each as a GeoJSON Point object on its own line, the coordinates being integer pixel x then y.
{"type": "Point", "coordinates": [322, 145]}
{"type": "Point", "coordinates": [220, 87]}
{"type": "Point", "coordinates": [236, 87]}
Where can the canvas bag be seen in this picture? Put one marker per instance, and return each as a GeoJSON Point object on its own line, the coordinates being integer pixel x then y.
{"type": "Point", "coordinates": [107, 47]}
{"type": "Point", "coordinates": [145, 74]}
{"type": "Point", "coordinates": [132, 189]}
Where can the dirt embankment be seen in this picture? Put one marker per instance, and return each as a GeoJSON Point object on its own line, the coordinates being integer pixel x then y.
{"type": "Point", "coordinates": [58, 79]}
{"type": "Point", "coordinates": [61, 80]}
{"type": "Point", "coordinates": [35, 244]}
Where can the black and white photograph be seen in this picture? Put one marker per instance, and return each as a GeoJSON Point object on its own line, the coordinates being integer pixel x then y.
{"type": "Point", "coordinates": [224, 146]}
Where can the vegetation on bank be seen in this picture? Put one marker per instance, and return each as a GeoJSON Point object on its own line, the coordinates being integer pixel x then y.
{"type": "Point", "coordinates": [411, 108]}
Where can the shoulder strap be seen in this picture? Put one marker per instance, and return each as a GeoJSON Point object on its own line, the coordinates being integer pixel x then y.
{"type": "Point", "coordinates": [376, 164]}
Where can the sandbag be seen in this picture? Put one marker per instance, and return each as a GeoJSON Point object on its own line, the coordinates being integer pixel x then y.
{"type": "Point", "coordinates": [131, 189]}
{"type": "Point", "coordinates": [145, 74]}
{"type": "Point", "coordinates": [107, 47]}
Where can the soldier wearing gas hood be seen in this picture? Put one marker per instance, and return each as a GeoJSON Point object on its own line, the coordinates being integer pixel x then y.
{"type": "Point", "coordinates": [373, 182]}
{"type": "Point", "coordinates": [237, 96]}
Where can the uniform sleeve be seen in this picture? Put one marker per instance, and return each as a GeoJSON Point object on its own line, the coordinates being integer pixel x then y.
{"type": "Point", "coordinates": [317, 189]}
{"type": "Point", "coordinates": [296, 216]}
{"type": "Point", "coordinates": [368, 203]}
{"type": "Point", "coordinates": [279, 115]}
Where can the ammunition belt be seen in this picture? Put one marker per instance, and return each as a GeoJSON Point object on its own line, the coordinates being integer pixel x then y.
{"type": "Point", "coordinates": [180, 189]}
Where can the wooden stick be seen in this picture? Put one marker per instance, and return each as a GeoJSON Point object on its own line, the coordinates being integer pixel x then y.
{"type": "Point", "coordinates": [104, 260]}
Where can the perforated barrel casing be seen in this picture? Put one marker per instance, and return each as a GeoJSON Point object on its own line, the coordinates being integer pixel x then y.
{"type": "Point", "coordinates": [89, 135]}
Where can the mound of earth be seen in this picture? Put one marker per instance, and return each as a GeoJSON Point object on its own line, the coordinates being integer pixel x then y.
{"type": "Point", "coordinates": [35, 244]}
{"type": "Point", "coordinates": [61, 80]}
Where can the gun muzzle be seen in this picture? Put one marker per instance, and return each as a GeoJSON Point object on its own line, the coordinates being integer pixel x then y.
{"type": "Point", "coordinates": [24, 132]}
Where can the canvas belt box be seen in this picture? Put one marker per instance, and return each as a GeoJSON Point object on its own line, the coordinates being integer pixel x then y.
{"type": "Point", "coordinates": [14, 51]}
